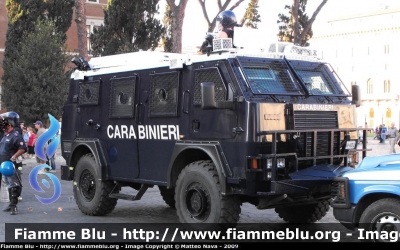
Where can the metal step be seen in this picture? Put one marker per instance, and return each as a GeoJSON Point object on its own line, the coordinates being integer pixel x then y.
{"type": "Point", "coordinates": [129, 197]}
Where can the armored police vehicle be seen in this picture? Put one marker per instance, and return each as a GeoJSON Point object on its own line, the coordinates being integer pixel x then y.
{"type": "Point", "coordinates": [270, 126]}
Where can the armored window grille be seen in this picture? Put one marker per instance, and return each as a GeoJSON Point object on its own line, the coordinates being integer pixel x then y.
{"type": "Point", "coordinates": [122, 97]}
{"type": "Point", "coordinates": [89, 93]}
{"type": "Point", "coordinates": [209, 75]}
{"type": "Point", "coordinates": [164, 94]}
{"type": "Point", "coordinates": [269, 77]}
{"type": "Point", "coordinates": [317, 77]}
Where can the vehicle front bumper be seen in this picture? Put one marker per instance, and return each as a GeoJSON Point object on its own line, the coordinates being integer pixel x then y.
{"type": "Point", "coordinates": [345, 216]}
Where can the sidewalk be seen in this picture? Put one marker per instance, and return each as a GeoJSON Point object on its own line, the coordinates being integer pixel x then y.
{"type": "Point", "coordinates": [378, 148]}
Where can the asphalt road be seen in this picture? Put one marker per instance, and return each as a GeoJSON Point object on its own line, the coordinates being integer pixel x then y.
{"type": "Point", "coordinates": [150, 209]}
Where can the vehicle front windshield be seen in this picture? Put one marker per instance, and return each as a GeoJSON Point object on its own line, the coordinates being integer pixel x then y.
{"type": "Point", "coordinates": [318, 78]}
{"type": "Point", "coordinates": [290, 77]}
{"type": "Point", "coordinates": [315, 82]}
{"type": "Point", "coordinates": [272, 77]}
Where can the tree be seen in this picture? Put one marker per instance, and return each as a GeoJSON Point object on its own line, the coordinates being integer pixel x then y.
{"type": "Point", "coordinates": [251, 16]}
{"type": "Point", "coordinates": [167, 22]}
{"type": "Point", "coordinates": [297, 27]}
{"type": "Point", "coordinates": [38, 79]}
{"type": "Point", "coordinates": [80, 19]}
{"type": "Point", "coordinates": [128, 26]}
{"type": "Point", "coordinates": [22, 17]}
{"type": "Point", "coordinates": [177, 17]}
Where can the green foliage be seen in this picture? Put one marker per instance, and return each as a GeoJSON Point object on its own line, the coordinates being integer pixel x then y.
{"type": "Point", "coordinates": [38, 82]}
{"type": "Point", "coordinates": [167, 36]}
{"type": "Point", "coordinates": [124, 22]}
{"type": "Point", "coordinates": [22, 16]}
{"type": "Point", "coordinates": [61, 13]}
{"type": "Point", "coordinates": [251, 15]}
{"type": "Point", "coordinates": [287, 31]}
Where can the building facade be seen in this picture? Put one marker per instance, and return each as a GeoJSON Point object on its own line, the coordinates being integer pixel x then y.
{"type": "Point", "coordinates": [94, 18]}
{"type": "Point", "coordinates": [364, 49]}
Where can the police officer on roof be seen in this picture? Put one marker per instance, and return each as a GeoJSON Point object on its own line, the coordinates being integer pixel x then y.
{"type": "Point", "coordinates": [226, 20]}
{"type": "Point", "coordinates": [12, 145]}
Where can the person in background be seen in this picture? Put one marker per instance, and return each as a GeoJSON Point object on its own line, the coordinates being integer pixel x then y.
{"type": "Point", "coordinates": [26, 140]}
{"type": "Point", "coordinates": [380, 133]}
{"type": "Point", "coordinates": [376, 133]}
{"type": "Point", "coordinates": [51, 162]}
{"type": "Point", "coordinates": [383, 133]}
{"type": "Point", "coordinates": [360, 135]}
{"type": "Point", "coordinates": [59, 122]}
{"type": "Point", "coordinates": [393, 133]}
{"type": "Point", "coordinates": [31, 145]}
{"type": "Point", "coordinates": [40, 131]}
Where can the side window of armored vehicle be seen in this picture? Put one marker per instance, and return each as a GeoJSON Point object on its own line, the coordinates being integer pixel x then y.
{"type": "Point", "coordinates": [208, 75]}
{"type": "Point", "coordinates": [89, 93]}
{"type": "Point", "coordinates": [316, 77]}
{"type": "Point", "coordinates": [164, 94]}
{"type": "Point", "coordinates": [269, 77]}
{"type": "Point", "coordinates": [122, 97]}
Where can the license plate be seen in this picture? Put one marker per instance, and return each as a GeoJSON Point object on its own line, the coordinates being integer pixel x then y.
{"type": "Point", "coordinates": [350, 144]}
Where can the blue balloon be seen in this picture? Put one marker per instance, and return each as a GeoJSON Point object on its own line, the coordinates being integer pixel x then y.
{"type": "Point", "coordinates": [7, 168]}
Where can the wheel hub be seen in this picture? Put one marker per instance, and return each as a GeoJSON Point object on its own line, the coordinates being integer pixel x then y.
{"type": "Point", "coordinates": [196, 201]}
{"type": "Point", "coordinates": [387, 223]}
{"type": "Point", "coordinates": [87, 185]}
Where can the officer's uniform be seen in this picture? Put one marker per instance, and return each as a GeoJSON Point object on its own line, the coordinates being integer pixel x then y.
{"type": "Point", "coordinates": [9, 145]}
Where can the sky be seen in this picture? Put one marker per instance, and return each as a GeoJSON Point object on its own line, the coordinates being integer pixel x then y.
{"type": "Point", "coordinates": [195, 27]}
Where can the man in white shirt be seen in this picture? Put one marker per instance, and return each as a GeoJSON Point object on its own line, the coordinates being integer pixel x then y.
{"type": "Point", "coordinates": [393, 133]}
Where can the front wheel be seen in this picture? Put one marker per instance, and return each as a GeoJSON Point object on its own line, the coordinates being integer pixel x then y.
{"type": "Point", "coordinates": [90, 192]}
{"type": "Point", "coordinates": [381, 218]}
{"type": "Point", "coordinates": [167, 195]}
{"type": "Point", "coordinates": [198, 199]}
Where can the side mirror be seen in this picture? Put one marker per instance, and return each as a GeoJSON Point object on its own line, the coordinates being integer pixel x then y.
{"type": "Point", "coordinates": [356, 95]}
{"type": "Point", "coordinates": [208, 98]}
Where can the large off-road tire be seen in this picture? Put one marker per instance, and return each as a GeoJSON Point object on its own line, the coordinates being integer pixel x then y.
{"type": "Point", "coordinates": [382, 215]}
{"type": "Point", "coordinates": [90, 192]}
{"type": "Point", "coordinates": [199, 202]}
{"type": "Point", "coordinates": [168, 195]}
{"type": "Point", "coordinates": [304, 213]}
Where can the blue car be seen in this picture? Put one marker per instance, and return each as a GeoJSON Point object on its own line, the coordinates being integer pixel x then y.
{"type": "Point", "coordinates": [367, 198]}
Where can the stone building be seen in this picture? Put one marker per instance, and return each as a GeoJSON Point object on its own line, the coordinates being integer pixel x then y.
{"type": "Point", "coordinates": [364, 49]}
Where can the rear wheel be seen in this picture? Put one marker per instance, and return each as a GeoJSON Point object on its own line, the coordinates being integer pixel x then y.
{"type": "Point", "coordinates": [304, 213]}
{"type": "Point", "coordinates": [198, 198]}
{"type": "Point", "coordinates": [90, 192]}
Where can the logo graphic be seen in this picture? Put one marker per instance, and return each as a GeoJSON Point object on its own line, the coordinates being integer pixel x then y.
{"type": "Point", "coordinates": [41, 151]}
